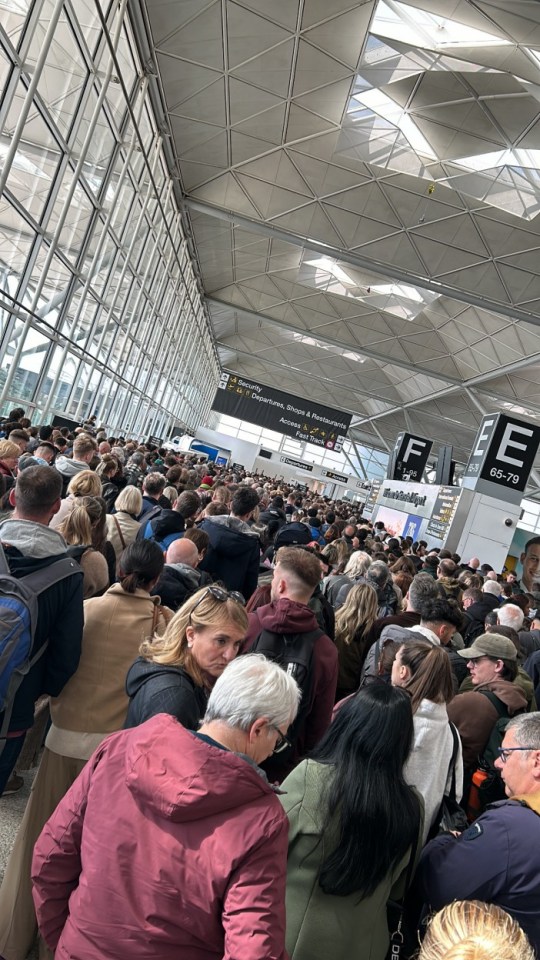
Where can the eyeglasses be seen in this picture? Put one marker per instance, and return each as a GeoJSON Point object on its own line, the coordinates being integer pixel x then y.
{"type": "Point", "coordinates": [218, 593]}
{"type": "Point", "coordinates": [505, 751]}
{"type": "Point", "coordinates": [282, 742]}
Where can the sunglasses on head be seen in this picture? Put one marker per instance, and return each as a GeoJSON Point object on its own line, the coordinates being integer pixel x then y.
{"type": "Point", "coordinates": [219, 594]}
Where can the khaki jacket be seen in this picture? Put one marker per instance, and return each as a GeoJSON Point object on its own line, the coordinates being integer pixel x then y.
{"type": "Point", "coordinates": [129, 529]}
{"type": "Point", "coordinates": [94, 700]}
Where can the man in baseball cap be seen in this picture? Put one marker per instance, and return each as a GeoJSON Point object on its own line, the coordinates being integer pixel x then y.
{"type": "Point", "coordinates": [490, 657]}
{"type": "Point", "coordinates": [492, 663]}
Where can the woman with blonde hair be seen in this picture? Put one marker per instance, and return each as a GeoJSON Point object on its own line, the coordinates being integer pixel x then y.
{"type": "Point", "coordinates": [9, 457]}
{"type": "Point", "coordinates": [106, 470]}
{"type": "Point", "coordinates": [221, 493]}
{"type": "Point", "coordinates": [423, 669]}
{"type": "Point", "coordinates": [171, 493]}
{"type": "Point", "coordinates": [122, 525]}
{"type": "Point", "coordinates": [79, 529]}
{"type": "Point", "coordinates": [337, 552]}
{"type": "Point", "coordinates": [86, 483]}
{"type": "Point", "coordinates": [471, 930]}
{"type": "Point", "coordinates": [354, 621]}
{"type": "Point", "coordinates": [175, 673]}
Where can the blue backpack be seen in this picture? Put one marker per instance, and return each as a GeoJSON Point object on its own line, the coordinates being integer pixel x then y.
{"type": "Point", "coordinates": [18, 619]}
{"type": "Point", "coordinates": [170, 538]}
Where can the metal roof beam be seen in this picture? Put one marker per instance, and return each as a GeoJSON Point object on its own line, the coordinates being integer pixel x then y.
{"type": "Point", "coordinates": [333, 341]}
{"type": "Point", "coordinates": [364, 263]}
{"type": "Point", "coordinates": [477, 381]}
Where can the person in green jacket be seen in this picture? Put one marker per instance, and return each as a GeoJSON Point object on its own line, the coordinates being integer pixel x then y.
{"type": "Point", "coordinates": [354, 825]}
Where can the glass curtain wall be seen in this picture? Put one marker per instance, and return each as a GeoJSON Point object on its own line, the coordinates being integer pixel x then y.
{"type": "Point", "coordinates": [100, 311]}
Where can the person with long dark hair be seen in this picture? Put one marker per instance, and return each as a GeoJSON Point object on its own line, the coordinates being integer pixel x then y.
{"type": "Point", "coordinates": [354, 826]}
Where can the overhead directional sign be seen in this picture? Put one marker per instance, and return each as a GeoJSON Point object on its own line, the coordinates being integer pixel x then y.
{"type": "Point", "coordinates": [409, 459]}
{"type": "Point", "coordinates": [275, 410]}
{"type": "Point", "coordinates": [502, 457]}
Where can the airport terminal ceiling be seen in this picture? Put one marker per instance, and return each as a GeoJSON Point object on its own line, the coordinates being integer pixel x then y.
{"type": "Point", "coordinates": [362, 189]}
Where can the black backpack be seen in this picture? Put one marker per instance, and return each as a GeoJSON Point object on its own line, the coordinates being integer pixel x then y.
{"type": "Point", "coordinates": [473, 630]}
{"type": "Point", "coordinates": [491, 789]}
{"type": "Point", "coordinates": [78, 551]}
{"type": "Point", "coordinates": [294, 653]}
{"type": "Point", "coordinates": [292, 534]}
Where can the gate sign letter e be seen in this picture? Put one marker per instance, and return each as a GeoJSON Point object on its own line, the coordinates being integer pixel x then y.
{"type": "Point", "coordinates": [502, 457]}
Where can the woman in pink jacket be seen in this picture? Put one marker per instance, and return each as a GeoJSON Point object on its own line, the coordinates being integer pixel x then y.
{"type": "Point", "coordinates": [172, 843]}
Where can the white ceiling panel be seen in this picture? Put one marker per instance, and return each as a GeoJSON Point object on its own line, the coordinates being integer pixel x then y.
{"type": "Point", "coordinates": [361, 182]}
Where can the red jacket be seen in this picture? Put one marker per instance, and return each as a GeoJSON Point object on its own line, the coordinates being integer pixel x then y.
{"type": "Point", "coordinates": [289, 616]}
{"type": "Point", "coordinates": [165, 846]}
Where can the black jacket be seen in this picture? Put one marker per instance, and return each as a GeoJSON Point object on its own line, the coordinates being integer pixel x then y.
{"type": "Point", "coordinates": [60, 622]}
{"type": "Point", "coordinates": [273, 513]}
{"type": "Point", "coordinates": [156, 688]}
{"type": "Point", "coordinates": [529, 641]}
{"type": "Point", "coordinates": [176, 584]}
{"type": "Point", "coordinates": [169, 521]}
{"type": "Point", "coordinates": [233, 554]}
{"type": "Point", "coordinates": [475, 616]}
{"type": "Point", "coordinates": [458, 665]}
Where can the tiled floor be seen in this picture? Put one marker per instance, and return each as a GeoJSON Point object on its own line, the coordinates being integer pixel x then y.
{"type": "Point", "coordinates": [11, 811]}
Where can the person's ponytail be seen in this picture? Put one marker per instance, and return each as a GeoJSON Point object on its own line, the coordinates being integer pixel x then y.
{"type": "Point", "coordinates": [139, 565]}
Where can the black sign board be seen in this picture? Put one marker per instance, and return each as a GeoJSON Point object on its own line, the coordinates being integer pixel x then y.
{"type": "Point", "coordinates": [178, 430]}
{"type": "Point", "coordinates": [332, 475]}
{"type": "Point", "coordinates": [291, 462]}
{"type": "Point", "coordinates": [444, 466]}
{"type": "Point", "coordinates": [410, 458]}
{"type": "Point", "coordinates": [275, 410]}
{"type": "Point", "coordinates": [444, 510]}
{"type": "Point", "coordinates": [502, 457]}
{"type": "Point", "coordinates": [154, 441]}
{"type": "Point", "coordinates": [59, 421]}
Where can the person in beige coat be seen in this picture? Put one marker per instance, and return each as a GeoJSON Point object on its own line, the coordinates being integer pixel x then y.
{"type": "Point", "coordinates": [92, 705]}
{"type": "Point", "coordinates": [83, 484]}
{"type": "Point", "coordinates": [79, 529]}
{"type": "Point", "coordinates": [122, 525]}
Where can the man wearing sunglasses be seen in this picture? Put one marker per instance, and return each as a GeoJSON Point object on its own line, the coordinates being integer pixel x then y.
{"type": "Point", "coordinates": [497, 859]}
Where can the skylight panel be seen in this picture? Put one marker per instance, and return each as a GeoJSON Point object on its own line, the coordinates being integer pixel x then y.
{"type": "Point", "coordinates": [330, 266]}
{"type": "Point", "coordinates": [383, 105]}
{"type": "Point", "coordinates": [398, 21]}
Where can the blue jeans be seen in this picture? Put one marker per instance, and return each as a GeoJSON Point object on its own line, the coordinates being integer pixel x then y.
{"type": "Point", "coordinates": [9, 757]}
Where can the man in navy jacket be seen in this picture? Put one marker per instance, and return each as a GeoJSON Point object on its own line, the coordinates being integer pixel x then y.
{"type": "Point", "coordinates": [234, 551]}
{"type": "Point", "coordinates": [497, 859]}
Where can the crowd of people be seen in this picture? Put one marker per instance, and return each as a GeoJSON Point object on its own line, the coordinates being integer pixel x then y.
{"type": "Point", "coordinates": [266, 727]}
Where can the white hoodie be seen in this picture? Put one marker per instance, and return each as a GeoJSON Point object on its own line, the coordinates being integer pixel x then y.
{"type": "Point", "coordinates": [427, 767]}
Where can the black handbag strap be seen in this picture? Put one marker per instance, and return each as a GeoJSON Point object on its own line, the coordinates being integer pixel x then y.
{"type": "Point", "coordinates": [397, 937]}
{"type": "Point", "coordinates": [452, 767]}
